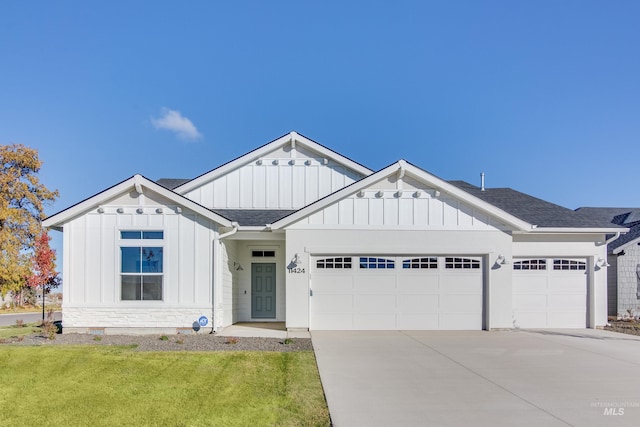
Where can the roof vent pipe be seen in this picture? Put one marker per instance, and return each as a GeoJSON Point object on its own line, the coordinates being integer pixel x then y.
{"type": "Point", "coordinates": [481, 181]}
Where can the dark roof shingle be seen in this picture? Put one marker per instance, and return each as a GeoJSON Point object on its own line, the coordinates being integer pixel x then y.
{"type": "Point", "coordinates": [254, 217]}
{"type": "Point", "coordinates": [531, 209]}
{"type": "Point", "coordinates": [171, 183]}
{"type": "Point", "coordinates": [626, 217]}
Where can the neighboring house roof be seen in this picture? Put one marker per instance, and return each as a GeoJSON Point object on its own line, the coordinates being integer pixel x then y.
{"type": "Point", "coordinates": [533, 210]}
{"type": "Point", "coordinates": [172, 183]}
{"type": "Point", "coordinates": [136, 182]}
{"type": "Point", "coordinates": [626, 217]}
{"type": "Point", "coordinates": [254, 217]}
{"type": "Point", "coordinates": [292, 138]}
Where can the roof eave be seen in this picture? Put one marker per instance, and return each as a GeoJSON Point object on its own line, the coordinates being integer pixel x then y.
{"type": "Point", "coordinates": [57, 220]}
{"type": "Point", "coordinates": [571, 230]}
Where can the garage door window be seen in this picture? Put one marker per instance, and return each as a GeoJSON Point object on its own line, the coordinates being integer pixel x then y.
{"type": "Point", "coordinates": [462, 263]}
{"type": "Point", "coordinates": [380, 263]}
{"type": "Point", "coordinates": [569, 264]}
{"type": "Point", "coordinates": [328, 263]}
{"type": "Point", "coordinates": [420, 263]}
{"type": "Point", "coordinates": [530, 264]}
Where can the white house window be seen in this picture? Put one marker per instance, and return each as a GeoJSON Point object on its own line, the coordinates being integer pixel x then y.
{"type": "Point", "coordinates": [461, 263]}
{"type": "Point", "coordinates": [380, 263]}
{"type": "Point", "coordinates": [420, 263]}
{"type": "Point", "coordinates": [141, 266]}
{"type": "Point", "coordinates": [328, 263]}
{"type": "Point", "coordinates": [569, 264]}
{"type": "Point", "coordinates": [263, 254]}
{"type": "Point", "coordinates": [530, 264]}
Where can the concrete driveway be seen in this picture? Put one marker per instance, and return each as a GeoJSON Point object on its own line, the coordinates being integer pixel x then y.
{"type": "Point", "coordinates": [480, 378]}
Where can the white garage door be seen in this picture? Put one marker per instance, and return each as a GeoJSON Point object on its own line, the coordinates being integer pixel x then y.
{"type": "Point", "coordinates": [550, 293]}
{"type": "Point", "coordinates": [394, 293]}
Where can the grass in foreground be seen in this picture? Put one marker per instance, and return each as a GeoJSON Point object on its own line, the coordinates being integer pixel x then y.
{"type": "Point", "coordinates": [87, 385]}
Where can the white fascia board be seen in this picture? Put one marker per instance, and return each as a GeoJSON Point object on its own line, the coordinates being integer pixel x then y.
{"type": "Point", "coordinates": [136, 181]}
{"type": "Point", "coordinates": [555, 230]}
{"type": "Point", "coordinates": [265, 149]}
{"type": "Point", "coordinates": [418, 173]}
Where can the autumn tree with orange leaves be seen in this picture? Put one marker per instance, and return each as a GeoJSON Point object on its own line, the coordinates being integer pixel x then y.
{"type": "Point", "coordinates": [22, 200]}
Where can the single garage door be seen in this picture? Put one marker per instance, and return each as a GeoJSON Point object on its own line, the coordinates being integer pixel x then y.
{"type": "Point", "coordinates": [361, 292]}
{"type": "Point", "coordinates": [550, 293]}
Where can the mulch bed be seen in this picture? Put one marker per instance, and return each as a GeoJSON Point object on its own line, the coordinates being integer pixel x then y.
{"type": "Point", "coordinates": [183, 342]}
{"type": "Point", "coordinates": [630, 327]}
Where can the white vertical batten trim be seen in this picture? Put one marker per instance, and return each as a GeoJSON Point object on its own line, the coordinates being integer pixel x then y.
{"type": "Point", "coordinates": [293, 144]}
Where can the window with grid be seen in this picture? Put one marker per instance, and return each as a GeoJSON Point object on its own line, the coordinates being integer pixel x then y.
{"type": "Point", "coordinates": [378, 263]}
{"type": "Point", "coordinates": [461, 263]}
{"type": "Point", "coordinates": [141, 266]}
{"type": "Point", "coordinates": [263, 254]}
{"type": "Point", "coordinates": [530, 264]}
{"type": "Point", "coordinates": [329, 263]}
{"type": "Point", "coordinates": [420, 263]}
{"type": "Point", "coordinates": [569, 264]}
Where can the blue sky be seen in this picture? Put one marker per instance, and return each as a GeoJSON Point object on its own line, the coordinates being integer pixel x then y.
{"type": "Point", "coordinates": [543, 96]}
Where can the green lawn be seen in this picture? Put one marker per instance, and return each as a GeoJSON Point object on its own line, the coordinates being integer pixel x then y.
{"type": "Point", "coordinates": [16, 331]}
{"type": "Point", "coordinates": [116, 386]}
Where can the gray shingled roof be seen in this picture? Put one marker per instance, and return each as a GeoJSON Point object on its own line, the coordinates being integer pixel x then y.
{"type": "Point", "coordinates": [253, 217]}
{"type": "Point", "coordinates": [171, 183]}
{"type": "Point", "coordinates": [627, 217]}
{"type": "Point", "coordinates": [531, 209]}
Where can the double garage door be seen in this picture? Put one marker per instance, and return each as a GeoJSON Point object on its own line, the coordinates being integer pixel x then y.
{"type": "Point", "coordinates": [550, 293]}
{"type": "Point", "coordinates": [363, 292]}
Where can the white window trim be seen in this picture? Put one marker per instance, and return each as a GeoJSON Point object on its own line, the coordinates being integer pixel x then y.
{"type": "Point", "coordinates": [139, 243]}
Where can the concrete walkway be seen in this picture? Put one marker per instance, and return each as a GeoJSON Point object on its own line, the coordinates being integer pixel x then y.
{"type": "Point", "coordinates": [507, 378]}
{"type": "Point", "coordinates": [261, 330]}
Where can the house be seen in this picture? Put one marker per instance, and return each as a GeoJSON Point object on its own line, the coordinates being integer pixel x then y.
{"type": "Point", "coordinates": [295, 232]}
{"type": "Point", "coordinates": [623, 256]}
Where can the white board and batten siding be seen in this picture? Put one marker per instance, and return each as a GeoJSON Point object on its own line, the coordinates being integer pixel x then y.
{"type": "Point", "coordinates": [92, 262]}
{"type": "Point", "coordinates": [274, 183]}
{"type": "Point", "coordinates": [359, 292]}
{"type": "Point", "coordinates": [408, 210]}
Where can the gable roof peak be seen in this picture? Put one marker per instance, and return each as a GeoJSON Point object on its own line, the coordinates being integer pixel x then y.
{"type": "Point", "coordinates": [292, 138]}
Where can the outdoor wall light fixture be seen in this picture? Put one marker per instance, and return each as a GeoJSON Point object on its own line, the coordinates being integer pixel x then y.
{"type": "Point", "coordinates": [602, 263]}
{"type": "Point", "coordinates": [502, 260]}
{"type": "Point", "coordinates": [237, 266]}
{"type": "Point", "coordinates": [158, 210]}
{"type": "Point", "coordinates": [120, 210]}
{"type": "Point", "coordinates": [100, 210]}
{"type": "Point", "coordinates": [296, 259]}
{"type": "Point", "coordinates": [139, 210]}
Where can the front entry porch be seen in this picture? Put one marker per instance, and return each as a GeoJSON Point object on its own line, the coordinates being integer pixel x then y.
{"type": "Point", "coordinates": [261, 330]}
